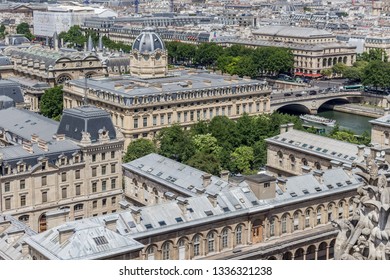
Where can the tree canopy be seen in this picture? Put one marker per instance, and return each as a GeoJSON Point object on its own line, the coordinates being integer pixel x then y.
{"type": "Point", "coordinates": [139, 148]}
{"type": "Point", "coordinates": [24, 28]}
{"type": "Point", "coordinates": [51, 103]}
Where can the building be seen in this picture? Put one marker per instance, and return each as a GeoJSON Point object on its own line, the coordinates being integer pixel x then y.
{"type": "Point", "coordinates": [230, 222]}
{"type": "Point", "coordinates": [142, 104]}
{"type": "Point", "coordinates": [294, 152]}
{"type": "Point", "coordinates": [377, 42]}
{"type": "Point", "coordinates": [380, 131]}
{"type": "Point", "coordinates": [59, 171]}
{"type": "Point", "coordinates": [313, 49]}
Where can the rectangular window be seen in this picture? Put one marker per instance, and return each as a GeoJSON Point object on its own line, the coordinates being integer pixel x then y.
{"type": "Point", "coordinates": [44, 180]}
{"type": "Point", "coordinates": [78, 189]}
{"type": "Point", "coordinates": [93, 171]}
{"type": "Point", "coordinates": [112, 154]}
{"type": "Point", "coordinates": [63, 177]}
{"type": "Point", "coordinates": [104, 185]}
{"type": "Point", "coordinates": [169, 118]}
{"type": "Point", "coordinates": [185, 116]}
{"type": "Point", "coordinates": [244, 108]}
{"type": "Point", "coordinates": [250, 108]}
{"type": "Point", "coordinates": [7, 203]}
{"type": "Point", "coordinates": [113, 168]}
{"type": "Point", "coordinates": [64, 193]}
{"type": "Point", "coordinates": [7, 187]}
{"type": "Point", "coordinates": [94, 204]}
{"type": "Point", "coordinates": [104, 202]}
{"type": "Point", "coordinates": [22, 200]}
{"type": "Point", "coordinates": [229, 110]}
{"type": "Point", "coordinates": [104, 170]}
{"type": "Point", "coordinates": [211, 113]}
{"type": "Point", "coordinates": [113, 183]}
{"type": "Point", "coordinates": [204, 114]}
{"type": "Point", "coordinates": [178, 116]}
{"type": "Point", "coordinates": [257, 107]}
{"type": "Point", "coordinates": [162, 119]}
{"type": "Point", "coordinates": [223, 111]}
{"type": "Point", "coordinates": [192, 116]}
{"type": "Point", "coordinates": [44, 196]}
{"type": "Point", "coordinates": [94, 187]}
{"type": "Point", "coordinates": [113, 200]}
{"type": "Point", "coordinates": [93, 157]}
{"type": "Point", "coordinates": [77, 174]}
{"type": "Point", "coordinates": [217, 111]}
{"type": "Point", "coordinates": [237, 109]}
{"type": "Point", "coordinates": [135, 123]}
{"type": "Point", "coordinates": [144, 121]}
{"type": "Point", "coordinates": [154, 120]}
{"type": "Point", "coordinates": [198, 115]}
{"type": "Point", "coordinates": [103, 156]}
{"type": "Point", "coordinates": [22, 184]}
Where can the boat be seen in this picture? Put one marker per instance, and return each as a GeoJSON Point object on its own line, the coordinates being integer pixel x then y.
{"type": "Point", "coordinates": [318, 119]}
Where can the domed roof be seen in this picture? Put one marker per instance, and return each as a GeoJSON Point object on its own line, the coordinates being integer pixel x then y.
{"type": "Point", "coordinates": [148, 41]}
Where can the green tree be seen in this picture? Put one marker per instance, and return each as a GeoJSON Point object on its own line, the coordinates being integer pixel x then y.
{"type": "Point", "coordinates": [326, 72]}
{"type": "Point", "coordinates": [207, 54]}
{"type": "Point", "coordinates": [74, 37]}
{"type": "Point", "coordinates": [376, 74]}
{"type": "Point", "coordinates": [138, 149]}
{"type": "Point", "coordinates": [23, 28]}
{"type": "Point", "coordinates": [242, 159]}
{"type": "Point", "coordinates": [2, 31]}
{"type": "Point", "coordinates": [175, 143]}
{"type": "Point", "coordinates": [52, 102]}
{"type": "Point", "coordinates": [206, 162]}
{"type": "Point", "coordinates": [373, 55]}
{"type": "Point", "coordinates": [339, 68]}
{"type": "Point", "coordinates": [207, 144]}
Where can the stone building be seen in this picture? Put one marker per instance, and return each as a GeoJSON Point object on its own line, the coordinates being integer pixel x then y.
{"type": "Point", "coordinates": [224, 222]}
{"type": "Point", "coordinates": [295, 152]}
{"type": "Point", "coordinates": [59, 171]}
{"type": "Point", "coordinates": [141, 105]}
{"type": "Point", "coordinates": [380, 131]}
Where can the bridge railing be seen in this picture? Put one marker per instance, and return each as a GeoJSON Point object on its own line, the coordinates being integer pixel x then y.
{"type": "Point", "coordinates": [316, 97]}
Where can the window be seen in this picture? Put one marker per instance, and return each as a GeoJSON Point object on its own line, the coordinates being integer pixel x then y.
{"type": "Point", "coordinates": [272, 227]}
{"type": "Point", "coordinates": [44, 196]}
{"type": "Point", "coordinates": [78, 207]}
{"type": "Point", "coordinates": [22, 184]}
{"type": "Point", "coordinates": [113, 184]}
{"type": "Point", "coordinates": [22, 200]}
{"type": "Point", "coordinates": [284, 224]}
{"type": "Point", "coordinates": [8, 203]}
{"type": "Point", "coordinates": [103, 156]}
{"type": "Point", "coordinates": [104, 170]}
{"type": "Point", "coordinates": [196, 245]}
{"type": "Point", "coordinates": [225, 238]}
{"type": "Point", "coordinates": [113, 200]}
{"type": "Point", "coordinates": [178, 116]}
{"type": "Point", "coordinates": [64, 192]}
{"type": "Point", "coordinates": [93, 171]}
{"type": "Point", "coordinates": [78, 189]}
{"type": "Point", "coordinates": [94, 204]}
{"type": "Point", "coordinates": [185, 116]}
{"type": "Point", "coordinates": [330, 213]}
{"type": "Point", "coordinates": [341, 210]}
{"type": "Point", "coordinates": [7, 187]}
{"type": "Point", "coordinates": [93, 157]}
{"type": "Point", "coordinates": [210, 242]}
{"type": "Point", "coordinates": [155, 120]}
{"type": "Point", "coordinates": [144, 121]}
{"type": "Point", "coordinates": [307, 218]}
{"type": "Point", "coordinates": [296, 221]}
{"type": "Point", "coordinates": [113, 168]}
{"type": "Point", "coordinates": [77, 174]}
{"type": "Point", "coordinates": [239, 235]}
{"type": "Point", "coordinates": [112, 154]}
{"type": "Point", "coordinates": [63, 177]}
{"type": "Point", "coordinates": [166, 251]}
{"type": "Point", "coordinates": [94, 187]}
{"type": "Point", "coordinates": [104, 185]}
{"type": "Point", "coordinates": [319, 216]}
{"type": "Point", "coordinates": [44, 180]}
{"type": "Point", "coordinates": [104, 202]}
{"type": "Point", "coordinates": [162, 118]}
{"type": "Point", "coordinates": [135, 123]}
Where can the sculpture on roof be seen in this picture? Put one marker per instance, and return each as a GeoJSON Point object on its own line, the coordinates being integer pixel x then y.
{"type": "Point", "coordinates": [366, 235]}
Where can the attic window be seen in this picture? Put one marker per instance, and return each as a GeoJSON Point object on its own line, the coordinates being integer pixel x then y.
{"type": "Point", "coordinates": [352, 158]}
{"type": "Point", "coordinates": [245, 190]}
{"type": "Point", "coordinates": [293, 194]}
{"type": "Point", "coordinates": [131, 224]}
{"type": "Point", "coordinates": [149, 170]}
{"type": "Point", "coordinates": [284, 139]}
{"type": "Point", "coordinates": [339, 184]}
{"type": "Point", "coordinates": [208, 212]}
{"type": "Point", "coordinates": [162, 223]}
{"type": "Point", "coordinates": [279, 192]}
{"type": "Point", "coordinates": [291, 141]}
{"type": "Point", "coordinates": [329, 186]}
{"type": "Point", "coordinates": [305, 191]}
{"type": "Point", "coordinates": [238, 206]}
{"type": "Point", "coordinates": [159, 174]}
{"type": "Point", "coordinates": [304, 145]}
{"type": "Point", "coordinates": [333, 153]}
{"type": "Point", "coordinates": [311, 147]}
{"type": "Point", "coordinates": [226, 209]}
{"type": "Point", "coordinates": [191, 210]}
{"type": "Point", "coordinates": [348, 182]}
{"type": "Point", "coordinates": [179, 219]}
{"type": "Point", "coordinates": [219, 183]}
{"type": "Point", "coordinates": [140, 166]}
{"type": "Point", "coordinates": [148, 226]}
{"type": "Point", "coordinates": [318, 189]}
{"type": "Point", "coordinates": [318, 149]}
{"type": "Point", "coordinates": [255, 202]}
{"type": "Point", "coordinates": [181, 168]}
{"type": "Point", "coordinates": [324, 150]}
{"type": "Point", "coordinates": [100, 240]}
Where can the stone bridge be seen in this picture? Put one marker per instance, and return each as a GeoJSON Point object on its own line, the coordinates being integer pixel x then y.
{"type": "Point", "coordinates": [311, 103]}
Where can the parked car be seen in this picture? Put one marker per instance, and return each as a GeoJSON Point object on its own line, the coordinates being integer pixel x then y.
{"type": "Point", "coordinates": [287, 94]}
{"type": "Point", "coordinates": [298, 94]}
{"type": "Point", "coordinates": [312, 92]}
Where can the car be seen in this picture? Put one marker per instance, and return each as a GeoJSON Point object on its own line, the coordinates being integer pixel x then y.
{"type": "Point", "coordinates": [287, 94]}
{"type": "Point", "coordinates": [298, 94]}
{"type": "Point", "coordinates": [312, 92]}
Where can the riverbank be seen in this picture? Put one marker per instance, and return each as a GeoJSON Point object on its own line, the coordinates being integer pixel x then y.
{"type": "Point", "coordinates": [361, 110]}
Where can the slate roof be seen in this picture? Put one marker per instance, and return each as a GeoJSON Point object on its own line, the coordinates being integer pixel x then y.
{"type": "Point", "coordinates": [291, 31]}
{"type": "Point", "coordinates": [11, 90]}
{"type": "Point", "coordinates": [148, 42]}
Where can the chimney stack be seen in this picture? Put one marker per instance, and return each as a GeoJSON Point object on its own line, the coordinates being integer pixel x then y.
{"type": "Point", "coordinates": [206, 180]}
{"type": "Point", "coordinates": [212, 197]}
{"type": "Point", "coordinates": [290, 127]}
{"type": "Point", "coordinates": [110, 223]}
{"type": "Point", "coordinates": [360, 152]}
{"type": "Point", "coordinates": [136, 213]}
{"type": "Point", "coordinates": [27, 146]}
{"type": "Point", "coordinates": [283, 128]}
{"type": "Point", "coordinates": [224, 174]}
{"type": "Point", "coordinates": [318, 175]}
{"type": "Point", "coordinates": [34, 138]}
{"type": "Point", "coordinates": [282, 183]}
{"type": "Point", "coordinates": [43, 145]}
{"type": "Point", "coordinates": [65, 233]}
{"type": "Point", "coordinates": [183, 203]}
{"type": "Point", "coordinates": [306, 169]}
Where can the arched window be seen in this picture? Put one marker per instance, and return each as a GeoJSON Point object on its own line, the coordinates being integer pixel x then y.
{"type": "Point", "coordinates": [330, 213]}
{"type": "Point", "coordinates": [280, 155]}
{"type": "Point", "coordinates": [181, 245]}
{"type": "Point", "coordinates": [292, 159]}
{"type": "Point", "coordinates": [284, 224]}
{"type": "Point", "coordinates": [304, 162]}
{"type": "Point", "coordinates": [296, 221]}
{"type": "Point", "coordinates": [225, 238]}
{"type": "Point", "coordinates": [210, 242]}
{"type": "Point", "coordinates": [196, 244]}
{"type": "Point", "coordinates": [239, 234]}
{"type": "Point", "coordinates": [24, 218]}
{"type": "Point", "coordinates": [319, 215]}
{"type": "Point", "coordinates": [166, 251]}
{"type": "Point", "coordinates": [78, 207]}
{"type": "Point", "coordinates": [272, 227]}
{"type": "Point", "coordinates": [307, 218]}
{"type": "Point", "coordinates": [150, 253]}
{"type": "Point", "coordinates": [341, 210]}
{"type": "Point", "coordinates": [350, 207]}
{"type": "Point", "coordinates": [317, 165]}
{"type": "Point", "coordinates": [386, 138]}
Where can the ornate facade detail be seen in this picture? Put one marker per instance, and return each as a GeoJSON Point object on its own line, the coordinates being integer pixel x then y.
{"type": "Point", "coordinates": [365, 235]}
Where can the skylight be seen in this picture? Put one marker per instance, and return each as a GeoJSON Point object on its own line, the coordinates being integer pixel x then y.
{"type": "Point", "coordinates": [100, 240]}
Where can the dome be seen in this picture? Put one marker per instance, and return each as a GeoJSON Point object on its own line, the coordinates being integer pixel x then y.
{"type": "Point", "coordinates": [148, 42]}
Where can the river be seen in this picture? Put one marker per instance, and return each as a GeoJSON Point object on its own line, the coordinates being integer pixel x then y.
{"type": "Point", "coordinates": [358, 124]}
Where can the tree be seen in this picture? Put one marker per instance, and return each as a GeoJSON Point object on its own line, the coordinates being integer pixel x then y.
{"type": "Point", "coordinates": [52, 102]}
{"type": "Point", "coordinates": [207, 54]}
{"type": "Point", "coordinates": [207, 144]}
{"type": "Point", "coordinates": [139, 148]}
{"type": "Point", "coordinates": [24, 28]}
{"type": "Point", "coordinates": [206, 162]}
{"type": "Point", "coordinates": [376, 74]}
{"type": "Point", "coordinates": [339, 68]}
{"type": "Point", "coordinates": [242, 159]}
{"type": "Point", "coordinates": [373, 55]}
{"type": "Point", "coordinates": [326, 72]}
{"type": "Point", "coordinates": [2, 31]}
{"type": "Point", "coordinates": [74, 37]}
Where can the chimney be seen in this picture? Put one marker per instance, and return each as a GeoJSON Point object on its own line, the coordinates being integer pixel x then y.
{"type": "Point", "coordinates": [25, 250]}
{"type": "Point", "coordinates": [224, 175]}
{"type": "Point", "coordinates": [306, 169]}
{"type": "Point", "coordinates": [318, 175]}
{"type": "Point", "coordinates": [360, 152]}
{"type": "Point", "coordinates": [136, 213]}
{"type": "Point", "coordinates": [169, 195]}
{"type": "Point", "coordinates": [386, 111]}
{"type": "Point", "coordinates": [4, 224]}
{"type": "Point", "coordinates": [206, 180]}
{"type": "Point", "coordinates": [290, 127]}
{"type": "Point", "coordinates": [200, 190]}
{"type": "Point", "coordinates": [110, 223]}
{"type": "Point", "coordinates": [59, 137]}
{"type": "Point", "coordinates": [65, 233]}
{"type": "Point", "coordinates": [34, 138]}
{"type": "Point", "coordinates": [183, 203]}
{"type": "Point", "coordinates": [212, 197]}
{"type": "Point", "coordinates": [43, 145]}
{"type": "Point", "coordinates": [335, 163]}
{"type": "Point", "coordinates": [348, 168]}
{"type": "Point", "coordinates": [283, 128]}
{"type": "Point", "coordinates": [27, 146]}
{"type": "Point", "coordinates": [282, 183]}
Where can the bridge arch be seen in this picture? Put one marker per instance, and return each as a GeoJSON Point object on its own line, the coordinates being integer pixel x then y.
{"type": "Point", "coordinates": [329, 104]}
{"type": "Point", "coordinates": [294, 108]}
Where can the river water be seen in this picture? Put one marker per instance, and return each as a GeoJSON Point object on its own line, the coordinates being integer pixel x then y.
{"type": "Point", "coordinates": [358, 124]}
